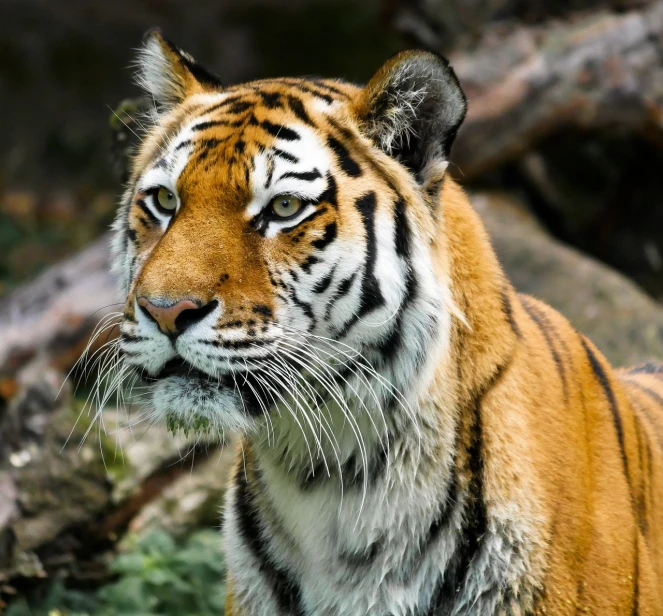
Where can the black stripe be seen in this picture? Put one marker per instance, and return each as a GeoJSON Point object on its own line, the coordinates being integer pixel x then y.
{"type": "Point", "coordinates": [641, 499]}
{"type": "Point", "coordinates": [328, 236]}
{"type": "Point", "coordinates": [602, 378]}
{"type": "Point", "coordinates": [363, 559]}
{"type": "Point", "coordinates": [229, 325]}
{"type": "Point", "coordinates": [390, 346]}
{"type": "Point", "coordinates": [635, 608]}
{"type": "Point", "coordinates": [271, 100]}
{"type": "Point", "coordinates": [325, 85]}
{"type": "Point", "coordinates": [401, 230]}
{"type": "Point", "coordinates": [475, 526]}
{"type": "Point", "coordinates": [359, 148]}
{"type": "Point", "coordinates": [236, 344]}
{"type": "Point", "coordinates": [291, 158]}
{"type": "Point", "coordinates": [428, 540]}
{"type": "Point", "coordinates": [183, 144]}
{"type": "Point", "coordinates": [544, 326]}
{"type": "Point", "coordinates": [323, 284]}
{"type": "Point", "coordinates": [279, 131]}
{"type": "Point", "coordinates": [211, 142]}
{"type": "Point", "coordinates": [330, 193]}
{"type": "Point", "coordinates": [131, 234]}
{"type": "Point", "coordinates": [148, 212]}
{"type": "Point", "coordinates": [308, 263]}
{"type": "Point", "coordinates": [270, 172]}
{"type": "Point", "coordinates": [371, 296]}
{"type": "Point", "coordinates": [347, 163]}
{"type": "Point", "coordinates": [265, 311]}
{"type": "Point", "coordinates": [284, 587]}
{"type": "Point", "coordinates": [201, 74]}
{"type": "Point", "coordinates": [298, 109]}
{"type": "Point", "coordinates": [392, 343]}
{"type": "Point", "coordinates": [476, 518]}
{"type": "Point", "coordinates": [644, 411]}
{"type": "Point", "coordinates": [508, 311]}
{"type": "Point", "coordinates": [239, 107]}
{"type": "Point", "coordinates": [307, 176]}
{"type": "Point", "coordinates": [224, 103]}
{"type": "Point", "coordinates": [304, 306]}
{"type": "Point", "coordinates": [341, 290]}
{"type": "Point", "coordinates": [131, 338]}
{"type": "Point", "coordinates": [210, 124]}
{"type": "Point", "coordinates": [304, 88]}
{"type": "Point", "coordinates": [352, 471]}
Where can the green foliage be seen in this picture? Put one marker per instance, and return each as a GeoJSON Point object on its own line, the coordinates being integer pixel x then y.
{"type": "Point", "coordinates": [199, 425]}
{"type": "Point", "coordinates": [156, 575]}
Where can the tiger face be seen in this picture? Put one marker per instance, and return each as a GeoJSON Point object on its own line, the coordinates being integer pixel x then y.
{"type": "Point", "coordinates": [276, 235]}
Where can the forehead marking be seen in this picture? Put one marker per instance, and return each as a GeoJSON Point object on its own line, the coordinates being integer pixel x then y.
{"type": "Point", "coordinates": [300, 173]}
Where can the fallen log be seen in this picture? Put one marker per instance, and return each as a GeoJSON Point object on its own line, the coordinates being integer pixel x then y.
{"type": "Point", "coordinates": [598, 71]}
{"type": "Point", "coordinates": [53, 316]}
{"type": "Point", "coordinates": [449, 24]}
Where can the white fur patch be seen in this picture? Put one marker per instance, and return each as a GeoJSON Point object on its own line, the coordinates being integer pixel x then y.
{"type": "Point", "coordinates": [155, 74]}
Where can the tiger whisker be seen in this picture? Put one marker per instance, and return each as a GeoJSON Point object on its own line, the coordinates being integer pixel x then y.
{"type": "Point", "coordinates": [318, 416]}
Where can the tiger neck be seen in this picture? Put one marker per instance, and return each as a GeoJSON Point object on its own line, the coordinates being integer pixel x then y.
{"type": "Point", "coordinates": [458, 365]}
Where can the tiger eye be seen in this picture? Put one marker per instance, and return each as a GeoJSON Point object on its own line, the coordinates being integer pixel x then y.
{"type": "Point", "coordinates": [285, 206]}
{"type": "Point", "coordinates": [166, 199]}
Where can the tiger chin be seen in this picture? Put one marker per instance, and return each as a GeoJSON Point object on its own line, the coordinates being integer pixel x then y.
{"type": "Point", "coordinates": [416, 438]}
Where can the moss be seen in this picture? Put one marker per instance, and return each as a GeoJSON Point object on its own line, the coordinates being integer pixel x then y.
{"type": "Point", "coordinates": [200, 426]}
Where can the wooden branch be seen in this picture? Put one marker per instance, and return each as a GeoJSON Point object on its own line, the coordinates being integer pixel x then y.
{"type": "Point", "coordinates": [54, 316]}
{"type": "Point", "coordinates": [602, 71]}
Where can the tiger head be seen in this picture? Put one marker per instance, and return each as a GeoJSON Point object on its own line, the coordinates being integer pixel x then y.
{"type": "Point", "coordinates": [280, 236]}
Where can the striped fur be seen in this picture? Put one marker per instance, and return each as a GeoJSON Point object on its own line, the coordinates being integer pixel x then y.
{"type": "Point", "coordinates": [417, 439]}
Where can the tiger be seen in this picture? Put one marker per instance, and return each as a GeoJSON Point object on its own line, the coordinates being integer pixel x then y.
{"type": "Point", "coordinates": [414, 437]}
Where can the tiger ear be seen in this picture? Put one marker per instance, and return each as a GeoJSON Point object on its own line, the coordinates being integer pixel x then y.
{"type": "Point", "coordinates": [412, 109]}
{"type": "Point", "coordinates": [169, 74]}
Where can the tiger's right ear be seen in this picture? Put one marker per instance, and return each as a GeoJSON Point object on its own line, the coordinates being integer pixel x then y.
{"type": "Point", "coordinates": [169, 74]}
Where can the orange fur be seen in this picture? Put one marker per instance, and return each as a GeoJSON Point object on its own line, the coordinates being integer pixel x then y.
{"type": "Point", "coordinates": [551, 437]}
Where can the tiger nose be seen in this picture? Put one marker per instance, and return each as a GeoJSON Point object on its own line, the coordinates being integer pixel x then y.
{"type": "Point", "coordinates": [174, 319]}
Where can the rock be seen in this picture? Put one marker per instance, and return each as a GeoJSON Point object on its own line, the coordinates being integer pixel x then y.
{"type": "Point", "coordinates": [624, 322]}
{"type": "Point", "coordinates": [70, 484]}
{"type": "Point", "coordinates": [192, 501]}
{"type": "Point", "coordinates": [46, 487]}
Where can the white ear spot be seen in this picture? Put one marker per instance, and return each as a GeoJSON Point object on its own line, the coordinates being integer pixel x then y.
{"type": "Point", "coordinates": [155, 73]}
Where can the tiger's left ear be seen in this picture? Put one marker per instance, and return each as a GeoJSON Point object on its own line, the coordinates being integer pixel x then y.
{"type": "Point", "coordinates": [169, 74]}
{"type": "Point", "coordinates": [412, 109]}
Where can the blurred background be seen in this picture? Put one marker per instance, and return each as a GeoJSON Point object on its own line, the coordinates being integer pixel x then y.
{"type": "Point", "coordinates": [562, 154]}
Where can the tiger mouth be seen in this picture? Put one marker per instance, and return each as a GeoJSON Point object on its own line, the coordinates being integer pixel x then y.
{"type": "Point", "coordinates": [180, 367]}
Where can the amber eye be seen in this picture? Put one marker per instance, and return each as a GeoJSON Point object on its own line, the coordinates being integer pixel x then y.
{"type": "Point", "coordinates": [285, 206]}
{"type": "Point", "coordinates": [166, 199]}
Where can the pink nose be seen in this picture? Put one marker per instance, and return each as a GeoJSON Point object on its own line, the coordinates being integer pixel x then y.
{"type": "Point", "coordinates": [175, 318]}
